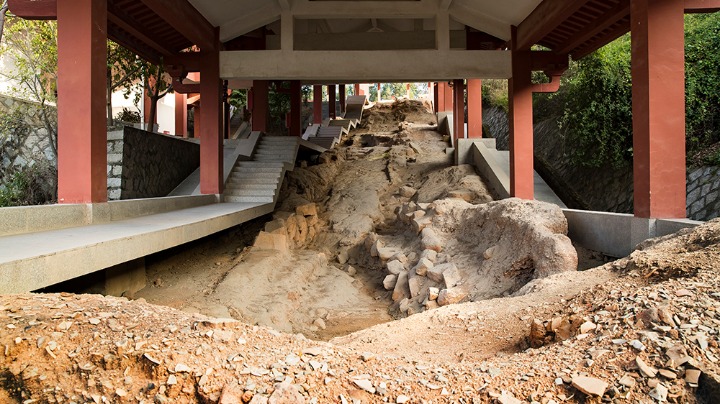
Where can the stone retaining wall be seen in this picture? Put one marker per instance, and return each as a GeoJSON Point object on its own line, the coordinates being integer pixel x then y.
{"type": "Point", "coordinates": [605, 189]}
{"type": "Point", "coordinates": [703, 187]}
{"type": "Point", "coordinates": [145, 165]}
{"type": "Point", "coordinates": [36, 146]}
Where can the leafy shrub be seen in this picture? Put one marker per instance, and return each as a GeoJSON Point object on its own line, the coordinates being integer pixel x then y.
{"type": "Point", "coordinates": [30, 185]}
{"type": "Point", "coordinates": [127, 115]}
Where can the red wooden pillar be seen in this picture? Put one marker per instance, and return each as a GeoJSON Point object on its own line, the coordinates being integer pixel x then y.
{"type": "Point", "coordinates": [197, 122]}
{"type": "Point", "coordinates": [521, 125]}
{"type": "Point", "coordinates": [211, 136]}
{"type": "Point", "coordinates": [436, 97]}
{"type": "Point", "coordinates": [658, 86]}
{"type": "Point", "coordinates": [448, 94]}
{"type": "Point", "coordinates": [357, 89]}
{"type": "Point", "coordinates": [331, 101]}
{"type": "Point", "coordinates": [295, 127]}
{"type": "Point", "coordinates": [317, 104]}
{"type": "Point", "coordinates": [341, 93]}
{"type": "Point", "coordinates": [81, 85]}
{"type": "Point", "coordinates": [459, 109]}
{"type": "Point", "coordinates": [379, 94]}
{"type": "Point", "coordinates": [260, 106]}
{"type": "Point", "coordinates": [226, 110]}
{"type": "Point", "coordinates": [474, 102]}
{"type": "Point", "coordinates": [181, 115]}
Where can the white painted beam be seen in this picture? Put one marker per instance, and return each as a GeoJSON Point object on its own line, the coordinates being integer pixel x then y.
{"type": "Point", "coordinates": [475, 19]}
{"type": "Point", "coordinates": [364, 9]}
{"type": "Point", "coordinates": [250, 22]}
{"type": "Point", "coordinates": [287, 31]}
{"type": "Point", "coordinates": [442, 30]}
{"type": "Point", "coordinates": [365, 66]}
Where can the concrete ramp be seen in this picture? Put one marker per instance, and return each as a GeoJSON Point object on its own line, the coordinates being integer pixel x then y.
{"type": "Point", "coordinates": [494, 165]}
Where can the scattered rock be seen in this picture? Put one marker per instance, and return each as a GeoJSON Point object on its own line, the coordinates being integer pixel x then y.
{"type": "Point", "coordinates": [590, 385]}
{"type": "Point", "coordinates": [390, 281]}
{"type": "Point", "coordinates": [451, 296]}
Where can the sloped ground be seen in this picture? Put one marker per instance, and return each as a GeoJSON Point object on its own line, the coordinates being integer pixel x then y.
{"type": "Point", "coordinates": [652, 326]}
{"type": "Point", "coordinates": [631, 330]}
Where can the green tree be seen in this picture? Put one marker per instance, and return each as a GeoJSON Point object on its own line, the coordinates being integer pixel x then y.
{"type": "Point", "coordinates": [123, 69]}
{"type": "Point", "coordinates": [31, 47]}
{"type": "Point", "coordinates": [3, 12]}
{"type": "Point", "coordinates": [702, 58]}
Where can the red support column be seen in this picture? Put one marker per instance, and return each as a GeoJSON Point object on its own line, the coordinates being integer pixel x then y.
{"type": "Point", "coordinates": [197, 123]}
{"type": "Point", "coordinates": [341, 94]}
{"type": "Point", "coordinates": [436, 97]}
{"type": "Point", "coordinates": [211, 136]}
{"type": "Point", "coordinates": [295, 127]}
{"type": "Point", "coordinates": [260, 106]}
{"type": "Point", "coordinates": [317, 104]}
{"type": "Point", "coordinates": [81, 86]}
{"type": "Point", "coordinates": [459, 109]}
{"type": "Point", "coordinates": [448, 103]}
{"type": "Point", "coordinates": [521, 125]}
{"type": "Point", "coordinates": [474, 101]}
{"type": "Point", "coordinates": [379, 89]}
{"type": "Point", "coordinates": [658, 75]}
{"type": "Point", "coordinates": [356, 89]}
{"type": "Point", "coordinates": [181, 115]}
{"type": "Point", "coordinates": [331, 101]}
{"type": "Point", "coordinates": [226, 110]}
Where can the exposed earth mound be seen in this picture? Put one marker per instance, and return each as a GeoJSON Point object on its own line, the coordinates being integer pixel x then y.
{"type": "Point", "coordinates": [85, 348]}
{"type": "Point", "coordinates": [384, 227]}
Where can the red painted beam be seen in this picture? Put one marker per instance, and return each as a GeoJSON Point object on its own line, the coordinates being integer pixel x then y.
{"type": "Point", "coordinates": [187, 20]}
{"type": "Point", "coordinates": [610, 17]}
{"type": "Point", "coordinates": [702, 6]}
{"type": "Point", "coordinates": [543, 20]}
{"type": "Point", "coordinates": [552, 87]}
{"type": "Point", "coordinates": [34, 9]}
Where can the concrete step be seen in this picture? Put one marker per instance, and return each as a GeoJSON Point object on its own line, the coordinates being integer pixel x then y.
{"type": "Point", "coordinates": [250, 192]}
{"type": "Point", "coordinates": [258, 164]}
{"type": "Point", "coordinates": [257, 170]}
{"type": "Point", "coordinates": [289, 153]}
{"type": "Point", "coordinates": [250, 199]}
{"type": "Point", "coordinates": [241, 180]}
{"type": "Point", "coordinates": [278, 140]}
{"type": "Point", "coordinates": [250, 185]}
{"type": "Point", "coordinates": [261, 176]}
{"type": "Point", "coordinates": [282, 146]}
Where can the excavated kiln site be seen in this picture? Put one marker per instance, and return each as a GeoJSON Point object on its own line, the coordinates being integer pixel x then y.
{"type": "Point", "coordinates": [386, 274]}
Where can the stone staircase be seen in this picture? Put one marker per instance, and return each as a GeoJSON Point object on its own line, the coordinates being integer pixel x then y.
{"type": "Point", "coordinates": [259, 179]}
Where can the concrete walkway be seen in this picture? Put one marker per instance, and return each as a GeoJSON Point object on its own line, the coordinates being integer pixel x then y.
{"type": "Point", "coordinates": [36, 260]}
{"type": "Point", "coordinates": [494, 165]}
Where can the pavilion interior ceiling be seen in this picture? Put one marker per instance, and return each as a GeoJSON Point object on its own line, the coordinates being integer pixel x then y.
{"type": "Point", "coordinates": [576, 28]}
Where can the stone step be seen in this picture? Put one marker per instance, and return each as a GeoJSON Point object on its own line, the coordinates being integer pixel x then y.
{"type": "Point", "coordinates": [264, 176]}
{"type": "Point", "coordinates": [250, 192]}
{"type": "Point", "coordinates": [252, 179]}
{"type": "Point", "coordinates": [250, 199]}
{"type": "Point", "coordinates": [289, 153]}
{"type": "Point", "coordinates": [258, 164]}
{"type": "Point", "coordinates": [251, 185]}
{"type": "Point", "coordinates": [251, 169]}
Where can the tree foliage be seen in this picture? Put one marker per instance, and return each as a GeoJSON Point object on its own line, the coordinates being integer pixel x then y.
{"type": "Point", "coordinates": [597, 113]}
{"type": "Point", "coordinates": [124, 70]}
{"type": "Point", "coordinates": [702, 58]}
{"type": "Point", "coordinates": [31, 47]}
{"type": "Point", "coordinates": [594, 104]}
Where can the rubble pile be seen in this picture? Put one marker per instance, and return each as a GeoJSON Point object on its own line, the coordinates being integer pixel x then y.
{"type": "Point", "coordinates": [472, 252]}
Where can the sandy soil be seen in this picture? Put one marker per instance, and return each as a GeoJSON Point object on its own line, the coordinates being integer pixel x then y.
{"type": "Point", "coordinates": [641, 329]}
